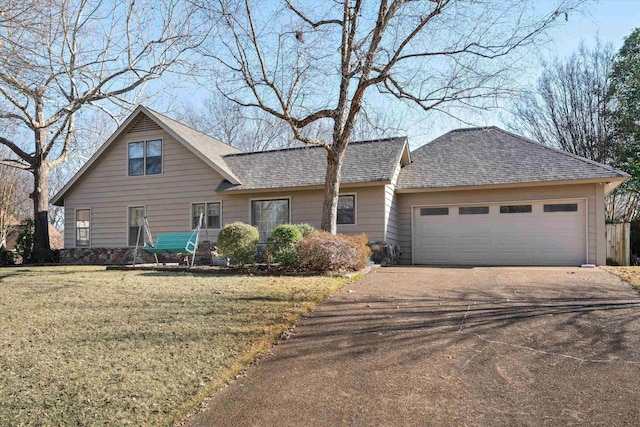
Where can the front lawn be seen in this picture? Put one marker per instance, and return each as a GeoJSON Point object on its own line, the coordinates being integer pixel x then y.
{"type": "Point", "coordinates": [629, 274]}
{"type": "Point", "coordinates": [85, 346]}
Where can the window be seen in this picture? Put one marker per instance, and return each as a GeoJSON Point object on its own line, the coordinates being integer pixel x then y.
{"type": "Point", "coordinates": [211, 217]}
{"type": "Point", "coordinates": [145, 158]}
{"type": "Point", "coordinates": [515, 209]}
{"type": "Point", "coordinates": [83, 227]}
{"type": "Point", "coordinates": [347, 209]}
{"type": "Point", "coordinates": [434, 211]}
{"type": "Point", "coordinates": [134, 221]}
{"type": "Point", "coordinates": [473, 210]}
{"type": "Point", "coordinates": [268, 214]}
{"type": "Point", "coordinates": [561, 207]}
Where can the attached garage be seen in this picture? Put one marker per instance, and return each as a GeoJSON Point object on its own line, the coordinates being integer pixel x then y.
{"type": "Point", "coordinates": [543, 232]}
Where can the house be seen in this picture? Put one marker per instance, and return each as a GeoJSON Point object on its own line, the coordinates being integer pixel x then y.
{"type": "Point", "coordinates": [480, 196]}
{"type": "Point", "coordinates": [14, 228]}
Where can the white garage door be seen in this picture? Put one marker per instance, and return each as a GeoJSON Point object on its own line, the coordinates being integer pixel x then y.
{"type": "Point", "coordinates": [525, 233]}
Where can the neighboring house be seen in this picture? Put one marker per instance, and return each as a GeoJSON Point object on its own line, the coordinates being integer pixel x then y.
{"type": "Point", "coordinates": [14, 229]}
{"type": "Point", "coordinates": [480, 196]}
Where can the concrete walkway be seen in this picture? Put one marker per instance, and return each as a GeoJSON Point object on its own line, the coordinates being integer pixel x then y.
{"type": "Point", "coordinates": [445, 346]}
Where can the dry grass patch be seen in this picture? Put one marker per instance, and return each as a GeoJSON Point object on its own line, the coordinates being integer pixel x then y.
{"type": "Point", "coordinates": [629, 274]}
{"type": "Point", "coordinates": [85, 346]}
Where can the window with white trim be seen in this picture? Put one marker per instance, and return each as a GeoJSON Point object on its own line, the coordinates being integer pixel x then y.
{"type": "Point", "coordinates": [145, 157]}
{"type": "Point", "coordinates": [347, 209]}
{"type": "Point", "coordinates": [212, 215]}
{"type": "Point", "coordinates": [83, 227]}
{"type": "Point", "coordinates": [268, 214]}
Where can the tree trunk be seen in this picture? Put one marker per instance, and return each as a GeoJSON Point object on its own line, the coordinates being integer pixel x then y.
{"type": "Point", "coordinates": [331, 191]}
{"type": "Point", "coordinates": [41, 247]}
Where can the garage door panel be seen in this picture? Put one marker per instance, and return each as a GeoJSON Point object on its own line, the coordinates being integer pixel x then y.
{"type": "Point", "coordinates": [483, 241]}
{"type": "Point", "coordinates": [515, 240]}
{"type": "Point", "coordinates": [524, 238]}
{"type": "Point", "coordinates": [516, 257]}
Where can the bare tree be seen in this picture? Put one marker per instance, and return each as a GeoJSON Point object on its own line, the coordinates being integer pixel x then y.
{"type": "Point", "coordinates": [13, 197]}
{"type": "Point", "coordinates": [60, 56]}
{"type": "Point", "coordinates": [318, 62]}
{"type": "Point", "coordinates": [246, 129]}
{"type": "Point", "coordinates": [571, 108]}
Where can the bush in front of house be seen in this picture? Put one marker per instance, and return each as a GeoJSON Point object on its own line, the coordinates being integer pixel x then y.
{"type": "Point", "coordinates": [323, 252]}
{"type": "Point", "coordinates": [306, 229]}
{"type": "Point", "coordinates": [361, 243]}
{"type": "Point", "coordinates": [238, 242]}
{"type": "Point", "coordinates": [285, 236]}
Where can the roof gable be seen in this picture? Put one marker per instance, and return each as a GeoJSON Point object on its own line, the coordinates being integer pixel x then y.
{"type": "Point", "coordinates": [208, 149]}
{"type": "Point", "coordinates": [365, 162]}
{"type": "Point", "coordinates": [492, 156]}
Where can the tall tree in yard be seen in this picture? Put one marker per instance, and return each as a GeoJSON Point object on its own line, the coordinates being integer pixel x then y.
{"type": "Point", "coordinates": [571, 107]}
{"type": "Point", "coordinates": [309, 62]}
{"type": "Point", "coordinates": [625, 92]}
{"type": "Point", "coordinates": [60, 56]}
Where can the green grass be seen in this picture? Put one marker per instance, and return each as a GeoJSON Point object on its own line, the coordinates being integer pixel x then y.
{"type": "Point", "coordinates": [85, 346]}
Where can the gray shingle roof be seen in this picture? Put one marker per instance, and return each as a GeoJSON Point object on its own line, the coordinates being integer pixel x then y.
{"type": "Point", "coordinates": [366, 161]}
{"type": "Point", "coordinates": [484, 156]}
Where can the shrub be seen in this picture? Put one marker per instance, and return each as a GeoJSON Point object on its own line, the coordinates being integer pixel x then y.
{"type": "Point", "coordinates": [238, 242]}
{"type": "Point", "coordinates": [24, 242]}
{"type": "Point", "coordinates": [286, 257]}
{"type": "Point", "coordinates": [6, 257]}
{"type": "Point", "coordinates": [363, 250]}
{"type": "Point", "coordinates": [324, 252]}
{"type": "Point", "coordinates": [283, 237]}
{"type": "Point", "coordinates": [306, 229]}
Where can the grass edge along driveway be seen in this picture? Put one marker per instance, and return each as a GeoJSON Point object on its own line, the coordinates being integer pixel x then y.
{"type": "Point", "coordinates": [84, 346]}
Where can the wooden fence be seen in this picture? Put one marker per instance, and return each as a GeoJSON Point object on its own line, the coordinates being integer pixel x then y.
{"type": "Point", "coordinates": [619, 244]}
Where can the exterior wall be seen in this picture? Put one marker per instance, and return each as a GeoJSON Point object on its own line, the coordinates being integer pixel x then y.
{"type": "Point", "coordinates": [108, 191]}
{"type": "Point", "coordinates": [601, 238]}
{"type": "Point", "coordinates": [391, 210]}
{"type": "Point", "coordinates": [593, 192]}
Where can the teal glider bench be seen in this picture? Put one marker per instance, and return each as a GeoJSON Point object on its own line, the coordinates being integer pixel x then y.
{"type": "Point", "coordinates": [175, 243]}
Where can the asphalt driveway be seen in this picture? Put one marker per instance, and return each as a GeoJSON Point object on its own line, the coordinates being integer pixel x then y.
{"type": "Point", "coordinates": [452, 346]}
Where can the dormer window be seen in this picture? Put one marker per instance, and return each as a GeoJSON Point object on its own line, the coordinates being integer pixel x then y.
{"type": "Point", "coordinates": [145, 157]}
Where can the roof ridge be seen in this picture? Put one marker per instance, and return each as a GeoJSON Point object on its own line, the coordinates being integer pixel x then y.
{"type": "Point", "coordinates": [566, 153]}
{"type": "Point", "coordinates": [189, 127]}
{"type": "Point", "coordinates": [310, 146]}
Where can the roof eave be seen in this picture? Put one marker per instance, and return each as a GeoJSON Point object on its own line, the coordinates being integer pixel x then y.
{"type": "Point", "coordinates": [611, 182]}
{"type": "Point", "coordinates": [240, 190]}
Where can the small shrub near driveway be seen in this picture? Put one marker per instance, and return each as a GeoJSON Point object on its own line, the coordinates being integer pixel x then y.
{"type": "Point", "coordinates": [323, 252]}
{"type": "Point", "coordinates": [238, 242]}
{"type": "Point", "coordinates": [85, 346]}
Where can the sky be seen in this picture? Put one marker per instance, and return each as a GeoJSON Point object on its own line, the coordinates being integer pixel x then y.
{"type": "Point", "coordinates": [610, 20]}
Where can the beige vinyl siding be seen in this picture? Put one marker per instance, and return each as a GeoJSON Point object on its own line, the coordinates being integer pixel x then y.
{"type": "Point", "coordinates": [391, 209]}
{"type": "Point", "coordinates": [594, 193]}
{"type": "Point", "coordinates": [108, 191]}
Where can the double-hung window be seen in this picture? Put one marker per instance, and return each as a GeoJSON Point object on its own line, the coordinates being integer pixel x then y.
{"type": "Point", "coordinates": [268, 214]}
{"type": "Point", "coordinates": [347, 209]}
{"type": "Point", "coordinates": [83, 227]}
{"type": "Point", "coordinates": [212, 215]}
{"type": "Point", "coordinates": [145, 157]}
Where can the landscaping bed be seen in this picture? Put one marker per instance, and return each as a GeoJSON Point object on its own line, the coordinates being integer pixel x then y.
{"type": "Point", "coordinates": [82, 345]}
{"type": "Point", "coordinates": [628, 274]}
